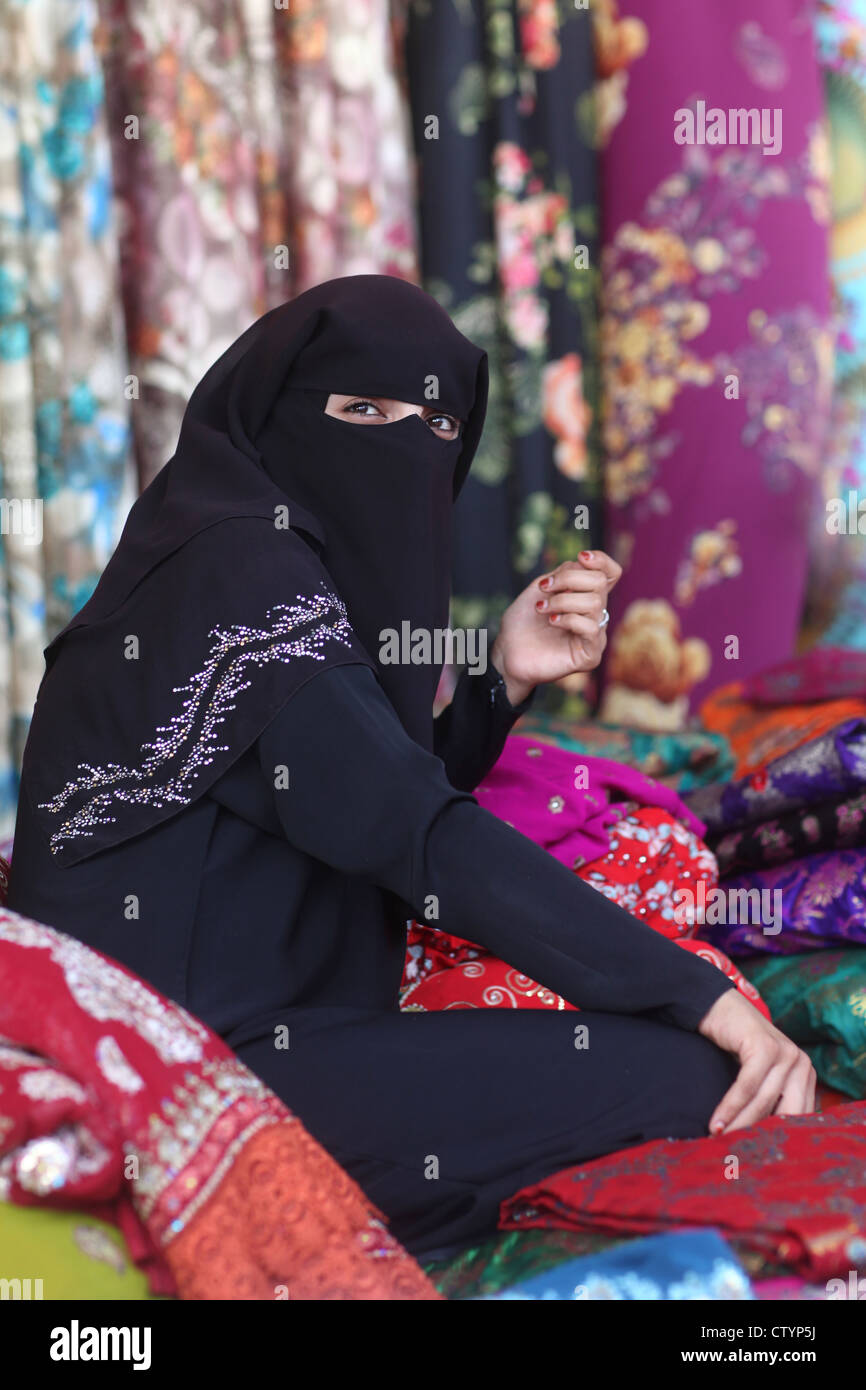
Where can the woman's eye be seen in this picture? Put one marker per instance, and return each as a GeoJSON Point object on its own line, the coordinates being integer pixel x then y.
{"type": "Point", "coordinates": [444, 424]}
{"type": "Point", "coordinates": [366, 408]}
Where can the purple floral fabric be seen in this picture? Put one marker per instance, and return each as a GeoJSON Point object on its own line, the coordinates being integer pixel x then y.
{"type": "Point", "coordinates": [829, 768]}
{"type": "Point", "coordinates": [812, 798]}
{"type": "Point", "coordinates": [717, 352]}
{"type": "Point", "coordinates": [833, 825]}
{"type": "Point", "coordinates": [821, 900]}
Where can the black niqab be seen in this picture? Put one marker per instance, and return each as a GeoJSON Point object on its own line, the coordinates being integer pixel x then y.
{"type": "Point", "coordinates": [278, 540]}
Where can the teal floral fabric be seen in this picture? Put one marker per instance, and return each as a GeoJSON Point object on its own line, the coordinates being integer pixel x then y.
{"type": "Point", "coordinates": [65, 478]}
{"type": "Point", "coordinates": [819, 1000]}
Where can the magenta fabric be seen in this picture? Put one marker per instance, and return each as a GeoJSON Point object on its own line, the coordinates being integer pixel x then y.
{"type": "Point", "coordinates": [566, 801]}
{"type": "Point", "coordinates": [715, 278]}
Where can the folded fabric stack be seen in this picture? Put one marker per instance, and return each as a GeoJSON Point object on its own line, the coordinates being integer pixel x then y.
{"type": "Point", "coordinates": [789, 834]}
{"type": "Point", "coordinates": [788, 1189]}
{"type": "Point", "coordinates": [776, 864]}
{"type": "Point", "coordinates": [118, 1103]}
{"type": "Point", "coordinates": [819, 999]}
{"type": "Point", "coordinates": [683, 760]}
{"type": "Point", "coordinates": [788, 831]}
{"type": "Point", "coordinates": [631, 838]}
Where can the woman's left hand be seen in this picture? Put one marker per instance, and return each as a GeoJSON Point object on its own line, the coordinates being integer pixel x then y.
{"type": "Point", "coordinates": [552, 629]}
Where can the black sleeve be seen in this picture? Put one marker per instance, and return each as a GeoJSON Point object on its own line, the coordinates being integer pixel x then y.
{"type": "Point", "coordinates": [354, 791]}
{"type": "Point", "coordinates": [470, 733]}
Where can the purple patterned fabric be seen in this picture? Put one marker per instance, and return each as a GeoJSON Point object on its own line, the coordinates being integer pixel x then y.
{"type": "Point", "coordinates": [805, 801]}
{"type": "Point", "coordinates": [817, 900]}
{"type": "Point", "coordinates": [717, 348]}
{"type": "Point", "coordinates": [830, 768]}
{"type": "Point", "coordinates": [566, 801]}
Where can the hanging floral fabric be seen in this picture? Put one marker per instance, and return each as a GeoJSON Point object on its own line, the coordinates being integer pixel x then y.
{"type": "Point", "coordinates": [259, 149]}
{"type": "Point", "coordinates": [63, 413]}
{"type": "Point", "coordinates": [717, 350]}
{"type": "Point", "coordinates": [502, 103]}
{"type": "Point", "coordinates": [836, 609]}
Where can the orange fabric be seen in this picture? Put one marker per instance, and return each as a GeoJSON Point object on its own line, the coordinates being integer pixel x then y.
{"type": "Point", "coordinates": [283, 1224]}
{"type": "Point", "coordinates": [759, 733]}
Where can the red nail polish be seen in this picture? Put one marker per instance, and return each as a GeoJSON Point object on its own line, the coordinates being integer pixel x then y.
{"type": "Point", "coordinates": [541, 604]}
{"type": "Point", "coordinates": [545, 583]}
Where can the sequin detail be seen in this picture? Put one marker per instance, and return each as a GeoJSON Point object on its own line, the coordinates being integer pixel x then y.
{"type": "Point", "coordinates": [185, 747]}
{"type": "Point", "coordinates": [45, 1084]}
{"type": "Point", "coordinates": [52, 1161]}
{"type": "Point", "coordinates": [98, 1245]}
{"type": "Point", "coordinates": [203, 1124]}
{"type": "Point", "coordinates": [115, 1068]}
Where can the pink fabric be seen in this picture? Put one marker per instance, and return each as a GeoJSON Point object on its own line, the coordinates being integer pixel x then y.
{"type": "Point", "coordinates": [824, 673]}
{"type": "Point", "coordinates": [566, 802]}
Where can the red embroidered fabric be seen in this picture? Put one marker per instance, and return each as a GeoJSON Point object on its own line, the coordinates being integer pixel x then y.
{"type": "Point", "coordinates": [793, 1189]}
{"type": "Point", "coordinates": [118, 1101]}
{"type": "Point", "coordinates": [650, 856]}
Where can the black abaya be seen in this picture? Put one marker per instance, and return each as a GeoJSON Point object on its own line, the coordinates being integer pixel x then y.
{"type": "Point", "coordinates": [268, 908]}
{"type": "Point", "coordinates": [229, 789]}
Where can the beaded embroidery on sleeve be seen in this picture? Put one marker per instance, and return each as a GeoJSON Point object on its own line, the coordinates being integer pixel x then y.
{"type": "Point", "coordinates": [186, 746]}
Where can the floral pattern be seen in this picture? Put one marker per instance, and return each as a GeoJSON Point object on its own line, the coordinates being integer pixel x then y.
{"type": "Point", "coordinates": [822, 900]}
{"type": "Point", "coordinates": [717, 356]}
{"type": "Point", "coordinates": [809, 799]}
{"type": "Point", "coordinates": [687, 1266]}
{"type": "Point", "coordinates": [836, 610]}
{"type": "Point", "coordinates": [64, 430]}
{"type": "Point", "coordinates": [788, 1203]}
{"type": "Point", "coordinates": [270, 154]}
{"type": "Point", "coordinates": [492, 84]}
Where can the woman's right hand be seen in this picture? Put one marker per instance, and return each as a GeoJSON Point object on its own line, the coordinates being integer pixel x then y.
{"type": "Point", "coordinates": [776, 1077]}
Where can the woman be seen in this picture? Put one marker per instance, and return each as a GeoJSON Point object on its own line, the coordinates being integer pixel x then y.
{"type": "Point", "coordinates": [232, 788]}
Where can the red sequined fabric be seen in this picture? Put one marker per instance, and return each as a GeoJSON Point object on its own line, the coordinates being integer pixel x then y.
{"type": "Point", "coordinates": [116, 1100]}
{"type": "Point", "coordinates": [651, 855]}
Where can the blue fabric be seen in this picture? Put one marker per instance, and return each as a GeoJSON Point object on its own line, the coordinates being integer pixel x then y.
{"type": "Point", "coordinates": [686, 1265]}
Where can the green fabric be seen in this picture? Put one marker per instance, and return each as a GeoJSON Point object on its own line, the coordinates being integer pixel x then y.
{"type": "Point", "coordinates": [819, 1000]}
{"type": "Point", "coordinates": [75, 1256]}
{"type": "Point", "coordinates": [693, 758]}
{"type": "Point", "coordinates": [511, 1257]}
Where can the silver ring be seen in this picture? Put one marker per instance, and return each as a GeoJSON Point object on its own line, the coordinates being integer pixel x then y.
{"type": "Point", "coordinates": [605, 618]}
